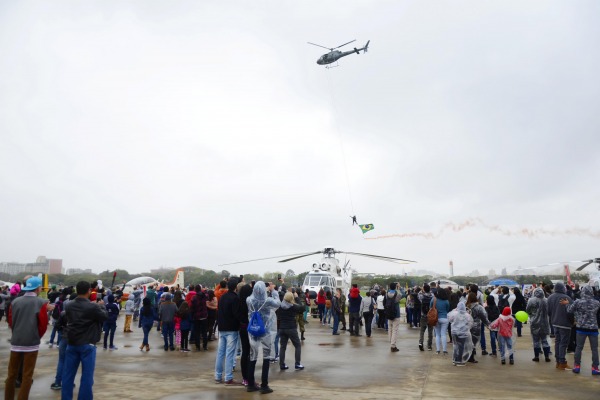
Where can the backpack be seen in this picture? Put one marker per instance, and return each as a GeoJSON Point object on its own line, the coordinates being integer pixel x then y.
{"type": "Point", "coordinates": [57, 310]}
{"type": "Point", "coordinates": [256, 325]}
{"type": "Point", "coordinates": [389, 307]}
{"type": "Point", "coordinates": [424, 306]}
{"type": "Point", "coordinates": [432, 314]}
{"type": "Point", "coordinates": [372, 305]}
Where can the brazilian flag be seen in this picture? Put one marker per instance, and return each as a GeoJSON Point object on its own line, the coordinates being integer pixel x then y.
{"type": "Point", "coordinates": [366, 227]}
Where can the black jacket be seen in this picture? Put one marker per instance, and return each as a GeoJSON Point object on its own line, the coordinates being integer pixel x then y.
{"type": "Point", "coordinates": [287, 316]}
{"type": "Point", "coordinates": [84, 321]}
{"type": "Point", "coordinates": [228, 317]}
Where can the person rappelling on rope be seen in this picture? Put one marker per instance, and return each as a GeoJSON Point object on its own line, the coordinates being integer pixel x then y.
{"type": "Point", "coordinates": [354, 221]}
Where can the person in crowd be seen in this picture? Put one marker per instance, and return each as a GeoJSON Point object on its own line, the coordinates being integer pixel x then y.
{"type": "Point", "coordinates": [337, 311]}
{"type": "Point", "coordinates": [425, 298]}
{"type": "Point", "coordinates": [61, 326]}
{"type": "Point", "coordinates": [504, 324]}
{"type": "Point", "coordinates": [146, 321]}
{"type": "Point", "coordinates": [137, 302]}
{"type": "Point", "coordinates": [321, 301]}
{"type": "Point", "coordinates": [307, 302]}
{"type": "Point", "coordinates": [199, 312]}
{"type": "Point", "coordinates": [166, 314]}
{"type": "Point", "coordinates": [288, 329]}
{"type": "Point", "coordinates": [557, 312]}
{"type": "Point", "coordinates": [518, 304]}
{"type": "Point", "coordinates": [28, 319]}
{"type": "Point", "coordinates": [265, 301]}
{"type": "Point", "coordinates": [381, 323]}
{"type": "Point", "coordinates": [84, 320]}
{"type": "Point", "coordinates": [473, 288]}
{"type": "Point", "coordinates": [211, 308]}
{"type": "Point", "coordinates": [417, 308]}
{"type": "Point", "coordinates": [537, 309]}
{"type": "Point", "coordinates": [442, 305]}
{"type": "Point", "coordinates": [244, 292]}
{"type": "Point", "coordinates": [492, 313]}
{"type": "Point", "coordinates": [354, 302]}
{"type": "Point", "coordinates": [366, 311]}
{"type": "Point", "coordinates": [110, 325]}
{"type": "Point", "coordinates": [129, 311]}
{"type": "Point", "coordinates": [392, 308]}
{"type": "Point", "coordinates": [479, 317]}
{"type": "Point", "coordinates": [185, 324]}
{"type": "Point", "coordinates": [58, 308]}
{"type": "Point", "coordinates": [228, 319]}
{"type": "Point", "coordinates": [461, 322]}
{"type": "Point", "coordinates": [342, 316]}
{"type": "Point", "coordinates": [300, 300]}
{"type": "Point", "coordinates": [328, 312]}
{"type": "Point", "coordinates": [586, 311]}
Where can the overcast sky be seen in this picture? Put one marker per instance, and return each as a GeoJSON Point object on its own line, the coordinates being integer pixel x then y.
{"type": "Point", "coordinates": [140, 134]}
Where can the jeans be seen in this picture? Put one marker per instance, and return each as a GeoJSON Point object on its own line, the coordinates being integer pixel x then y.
{"type": "Point", "coordinates": [483, 347]}
{"type": "Point", "coordinates": [440, 334]}
{"type": "Point", "coordinates": [354, 323]}
{"type": "Point", "coordinates": [291, 334]}
{"type": "Point", "coordinates": [368, 316]}
{"type": "Point", "coordinates": [226, 350]}
{"type": "Point", "coordinates": [54, 331]}
{"type": "Point", "coordinates": [321, 311]}
{"type": "Point", "coordinates": [86, 355]}
{"type": "Point", "coordinates": [62, 350]}
{"type": "Point", "coordinates": [146, 329]}
{"type": "Point", "coordinates": [519, 326]}
{"type": "Point", "coordinates": [167, 332]}
{"type": "Point", "coordinates": [109, 330]}
{"type": "Point", "coordinates": [28, 359]}
{"type": "Point", "coordinates": [505, 344]}
{"type": "Point", "coordinates": [429, 332]}
{"type": "Point", "coordinates": [493, 340]}
{"type": "Point", "coordinates": [276, 344]}
{"type": "Point", "coordinates": [561, 342]}
{"type": "Point", "coordinates": [593, 344]}
{"type": "Point", "coordinates": [336, 322]}
{"type": "Point", "coordinates": [458, 350]}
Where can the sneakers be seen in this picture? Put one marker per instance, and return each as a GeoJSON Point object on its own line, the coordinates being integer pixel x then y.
{"type": "Point", "coordinates": [233, 382]}
{"type": "Point", "coordinates": [421, 347]}
{"type": "Point", "coordinates": [56, 386]}
{"type": "Point", "coordinates": [484, 353]}
{"type": "Point", "coordinates": [283, 367]}
{"type": "Point", "coordinates": [50, 345]}
{"type": "Point", "coordinates": [445, 353]}
{"type": "Point", "coordinates": [429, 348]}
{"type": "Point", "coordinates": [253, 388]}
{"type": "Point", "coordinates": [503, 362]}
{"type": "Point", "coordinates": [460, 364]}
{"type": "Point", "coordinates": [299, 367]}
{"type": "Point", "coordinates": [594, 371]}
{"type": "Point", "coordinates": [576, 368]}
{"type": "Point", "coordinates": [111, 348]}
{"type": "Point", "coordinates": [394, 349]}
{"type": "Point", "coordinates": [265, 390]}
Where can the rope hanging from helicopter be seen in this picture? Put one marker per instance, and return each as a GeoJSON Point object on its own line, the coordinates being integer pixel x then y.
{"type": "Point", "coordinates": [337, 128]}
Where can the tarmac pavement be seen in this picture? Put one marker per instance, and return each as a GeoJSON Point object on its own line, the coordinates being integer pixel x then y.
{"type": "Point", "coordinates": [336, 367]}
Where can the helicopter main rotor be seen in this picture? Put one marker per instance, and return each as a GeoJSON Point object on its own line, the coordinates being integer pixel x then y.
{"type": "Point", "coordinates": [331, 48]}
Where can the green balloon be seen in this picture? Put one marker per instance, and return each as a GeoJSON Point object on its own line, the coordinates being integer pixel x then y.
{"type": "Point", "coordinates": [521, 316]}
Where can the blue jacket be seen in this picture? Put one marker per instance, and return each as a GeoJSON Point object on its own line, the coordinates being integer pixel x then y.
{"type": "Point", "coordinates": [147, 320]}
{"type": "Point", "coordinates": [186, 323]}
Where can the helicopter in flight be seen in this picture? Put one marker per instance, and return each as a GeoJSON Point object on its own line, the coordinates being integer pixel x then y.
{"type": "Point", "coordinates": [335, 55]}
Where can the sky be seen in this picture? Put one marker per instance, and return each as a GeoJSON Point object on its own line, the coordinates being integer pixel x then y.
{"type": "Point", "coordinates": [145, 134]}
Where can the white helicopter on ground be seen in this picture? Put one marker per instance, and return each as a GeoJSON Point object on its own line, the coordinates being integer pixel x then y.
{"type": "Point", "coordinates": [563, 267]}
{"type": "Point", "coordinates": [335, 55]}
{"type": "Point", "coordinates": [145, 282]}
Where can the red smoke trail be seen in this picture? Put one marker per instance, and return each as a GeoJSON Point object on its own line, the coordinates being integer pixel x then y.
{"type": "Point", "coordinates": [478, 222]}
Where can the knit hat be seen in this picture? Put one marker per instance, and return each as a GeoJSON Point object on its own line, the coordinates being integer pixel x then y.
{"type": "Point", "coordinates": [506, 311]}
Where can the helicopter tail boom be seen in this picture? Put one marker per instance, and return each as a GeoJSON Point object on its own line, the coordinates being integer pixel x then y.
{"type": "Point", "coordinates": [367, 46]}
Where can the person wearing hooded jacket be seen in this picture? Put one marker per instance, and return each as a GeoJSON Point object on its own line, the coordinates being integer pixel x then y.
{"type": "Point", "coordinates": [479, 318]}
{"type": "Point", "coordinates": [461, 323]}
{"type": "Point", "coordinates": [557, 311]}
{"type": "Point", "coordinates": [587, 314]}
{"type": "Point", "coordinates": [537, 309]}
{"type": "Point", "coordinates": [504, 324]}
{"type": "Point", "coordinates": [288, 329]}
{"type": "Point", "coordinates": [266, 302]}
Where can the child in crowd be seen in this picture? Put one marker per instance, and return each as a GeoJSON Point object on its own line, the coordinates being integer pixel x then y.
{"type": "Point", "coordinates": [504, 324]}
{"type": "Point", "coordinates": [185, 324]}
{"type": "Point", "coordinates": [110, 325]}
{"type": "Point", "coordinates": [129, 310]}
{"type": "Point", "coordinates": [177, 324]}
{"type": "Point", "coordinates": [461, 323]}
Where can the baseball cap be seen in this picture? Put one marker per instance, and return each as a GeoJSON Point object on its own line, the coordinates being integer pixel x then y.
{"type": "Point", "coordinates": [32, 283]}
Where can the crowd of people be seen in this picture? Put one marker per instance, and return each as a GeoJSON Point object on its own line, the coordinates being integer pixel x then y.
{"type": "Point", "coordinates": [262, 317]}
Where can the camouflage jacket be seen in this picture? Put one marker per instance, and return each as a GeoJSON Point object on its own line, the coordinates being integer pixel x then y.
{"type": "Point", "coordinates": [586, 310]}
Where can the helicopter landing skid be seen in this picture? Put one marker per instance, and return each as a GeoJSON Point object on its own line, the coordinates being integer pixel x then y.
{"type": "Point", "coordinates": [337, 64]}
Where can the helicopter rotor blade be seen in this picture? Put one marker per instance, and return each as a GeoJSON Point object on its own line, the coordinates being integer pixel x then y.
{"type": "Point", "coordinates": [303, 255]}
{"type": "Point", "coordinates": [587, 262]}
{"type": "Point", "coordinates": [314, 44]}
{"type": "Point", "coordinates": [383, 258]}
{"type": "Point", "coordinates": [344, 44]}
{"type": "Point", "coordinates": [260, 259]}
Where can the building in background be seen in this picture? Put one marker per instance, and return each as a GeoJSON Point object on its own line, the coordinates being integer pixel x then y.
{"type": "Point", "coordinates": [41, 264]}
{"type": "Point", "coordinates": [74, 271]}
